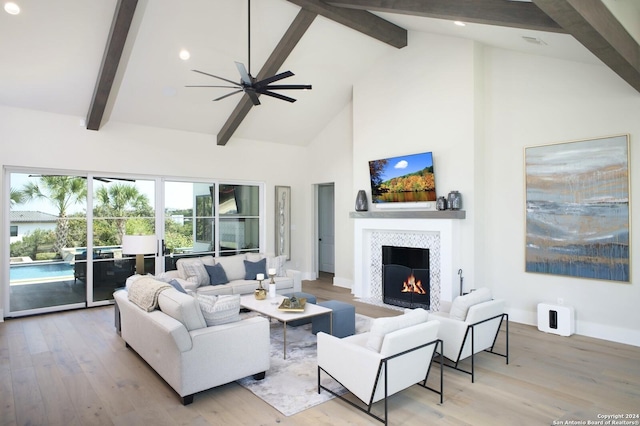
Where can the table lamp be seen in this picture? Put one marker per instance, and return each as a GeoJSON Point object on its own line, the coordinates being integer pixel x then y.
{"type": "Point", "coordinates": [139, 245]}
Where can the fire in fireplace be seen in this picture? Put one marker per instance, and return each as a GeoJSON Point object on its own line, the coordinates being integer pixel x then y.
{"type": "Point", "coordinates": [405, 276]}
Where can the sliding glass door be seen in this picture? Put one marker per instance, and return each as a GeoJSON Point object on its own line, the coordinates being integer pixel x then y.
{"type": "Point", "coordinates": [66, 232]}
{"type": "Point", "coordinates": [48, 217]}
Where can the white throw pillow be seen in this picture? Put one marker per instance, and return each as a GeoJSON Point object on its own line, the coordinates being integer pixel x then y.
{"type": "Point", "coordinates": [381, 326]}
{"type": "Point", "coordinates": [220, 309]}
{"type": "Point", "coordinates": [461, 304]}
{"type": "Point", "coordinates": [193, 270]}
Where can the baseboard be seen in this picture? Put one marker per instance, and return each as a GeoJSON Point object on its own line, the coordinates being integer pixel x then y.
{"type": "Point", "coordinates": [626, 336]}
{"type": "Point", "coordinates": [342, 282]}
{"type": "Point", "coordinates": [1, 315]}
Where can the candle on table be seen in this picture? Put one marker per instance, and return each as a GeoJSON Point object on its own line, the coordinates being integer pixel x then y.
{"type": "Point", "coordinates": [260, 277]}
{"type": "Point", "coordinates": [272, 271]}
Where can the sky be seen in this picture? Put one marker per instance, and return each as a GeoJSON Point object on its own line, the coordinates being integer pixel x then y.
{"type": "Point", "coordinates": [179, 195]}
{"type": "Point", "coordinates": [403, 165]}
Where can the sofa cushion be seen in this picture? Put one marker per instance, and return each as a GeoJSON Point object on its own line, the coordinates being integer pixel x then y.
{"type": "Point", "coordinates": [218, 310]}
{"type": "Point", "coordinates": [217, 275]}
{"type": "Point", "coordinates": [461, 304]}
{"type": "Point", "coordinates": [183, 308]}
{"type": "Point", "coordinates": [254, 268]}
{"type": "Point", "coordinates": [381, 326]}
{"type": "Point", "coordinates": [233, 266]}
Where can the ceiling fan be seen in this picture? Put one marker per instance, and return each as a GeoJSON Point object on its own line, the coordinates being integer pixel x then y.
{"type": "Point", "coordinates": [249, 85]}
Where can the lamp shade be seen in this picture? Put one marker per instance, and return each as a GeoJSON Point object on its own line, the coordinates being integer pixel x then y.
{"type": "Point", "coordinates": [138, 244]}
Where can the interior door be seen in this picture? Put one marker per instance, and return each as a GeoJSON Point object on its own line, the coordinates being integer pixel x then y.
{"type": "Point", "coordinates": [326, 228]}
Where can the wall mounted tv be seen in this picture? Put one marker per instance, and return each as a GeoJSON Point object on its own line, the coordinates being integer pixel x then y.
{"type": "Point", "coordinates": [404, 179]}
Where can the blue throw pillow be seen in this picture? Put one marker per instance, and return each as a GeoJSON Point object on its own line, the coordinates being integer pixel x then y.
{"type": "Point", "coordinates": [217, 275]}
{"type": "Point", "coordinates": [177, 286]}
{"type": "Point", "coordinates": [254, 268]}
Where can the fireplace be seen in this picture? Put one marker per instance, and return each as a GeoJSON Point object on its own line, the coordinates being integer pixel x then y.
{"type": "Point", "coordinates": [406, 276]}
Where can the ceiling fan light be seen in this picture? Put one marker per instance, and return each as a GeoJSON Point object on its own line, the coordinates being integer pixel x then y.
{"type": "Point", "coordinates": [184, 54]}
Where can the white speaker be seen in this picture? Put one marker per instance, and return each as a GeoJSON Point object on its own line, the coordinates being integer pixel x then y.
{"type": "Point", "coordinates": [556, 319]}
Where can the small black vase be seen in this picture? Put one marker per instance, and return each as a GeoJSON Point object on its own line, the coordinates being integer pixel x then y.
{"type": "Point", "coordinates": [361, 201]}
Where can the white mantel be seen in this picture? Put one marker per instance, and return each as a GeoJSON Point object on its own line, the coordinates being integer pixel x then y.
{"type": "Point", "coordinates": [435, 230]}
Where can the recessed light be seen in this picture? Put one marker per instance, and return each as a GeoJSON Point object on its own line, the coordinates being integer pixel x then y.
{"type": "Point", "coordinates": [11, 8]}
{"type": "Point", "coordinates": [459, 23]}
{"type": "Point", "coordinates": [184, 54]}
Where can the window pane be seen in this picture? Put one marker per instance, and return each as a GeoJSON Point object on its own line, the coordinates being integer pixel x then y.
{"type": "Point", "coordinates": [242, 200]}
{"type": "Point", "coordinates": [239, 235]}
{"type": "Point", "coordinates": [48, 213]}
{"type": "Point", "coordinates": [120, 207]}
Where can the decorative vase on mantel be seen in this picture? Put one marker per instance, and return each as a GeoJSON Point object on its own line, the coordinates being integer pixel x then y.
{"type": "Point", "coordinates": [361, 201]}
{"type": "Point", "coordinates": [441, 203]}
{"type": "Point", "coordinates": [455, 200]}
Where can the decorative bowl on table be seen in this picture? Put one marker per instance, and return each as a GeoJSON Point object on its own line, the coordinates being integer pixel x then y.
{"type": "Point", "coordinates": [293, 304]}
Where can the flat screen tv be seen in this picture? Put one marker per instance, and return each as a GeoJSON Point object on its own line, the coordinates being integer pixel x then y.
{"type": "Point", "coordinates": [404, 179]}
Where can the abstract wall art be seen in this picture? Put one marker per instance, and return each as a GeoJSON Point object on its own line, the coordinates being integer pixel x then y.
{"type": "Point", "coordinates": [283, 221]}
{"type": "Point", "coordinates": [577, 209]}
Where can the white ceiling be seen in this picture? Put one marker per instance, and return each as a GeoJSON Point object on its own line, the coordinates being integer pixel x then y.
{"type": "Point", "coordinates": [52, 52]}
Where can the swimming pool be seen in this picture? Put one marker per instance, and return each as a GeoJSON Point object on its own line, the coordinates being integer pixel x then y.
{"type": "Point", "coordinates": [40, 270]}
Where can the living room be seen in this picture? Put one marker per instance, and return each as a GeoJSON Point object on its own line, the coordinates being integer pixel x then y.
{"type": "Point", "coordinates": [474, 106]}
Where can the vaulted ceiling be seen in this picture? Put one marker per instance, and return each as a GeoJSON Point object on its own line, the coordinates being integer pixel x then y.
{"type": "Point", "coordinates": [117, 60]}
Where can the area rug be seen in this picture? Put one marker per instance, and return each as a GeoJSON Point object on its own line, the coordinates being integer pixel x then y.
{"type": "Point", "coordinates": [291, 385]}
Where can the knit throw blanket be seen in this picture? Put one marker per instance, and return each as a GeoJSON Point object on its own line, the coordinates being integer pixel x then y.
{"type": "Point", "coordinates": [144, 292]}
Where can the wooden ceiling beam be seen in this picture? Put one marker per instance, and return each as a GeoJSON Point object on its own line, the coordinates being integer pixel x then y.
{"type": "Point", "coordinates": [592, 24]}
{"type": "Point", "coordinates": [359, 20]}
{"type": "Point", "coordinates": [289, 40]}
{"type": "Point", "coordinates": [504, 13]}
{"type": "Point", "coordinates": [125, 9]}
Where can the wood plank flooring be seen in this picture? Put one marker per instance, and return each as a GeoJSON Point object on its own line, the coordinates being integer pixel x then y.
{"type": "Point", "coordinates": [72, 368]}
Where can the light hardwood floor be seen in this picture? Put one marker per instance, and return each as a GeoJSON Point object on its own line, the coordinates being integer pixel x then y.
{"type": "Point", "coordinates": [72, 368]}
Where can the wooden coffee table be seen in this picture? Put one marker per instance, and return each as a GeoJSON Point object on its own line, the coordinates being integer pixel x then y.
{"type": "Point", "coordinates": [269, 308]}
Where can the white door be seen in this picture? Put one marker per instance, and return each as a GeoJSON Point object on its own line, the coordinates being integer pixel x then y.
{"type": "Point", "coordinates": [326, 231]}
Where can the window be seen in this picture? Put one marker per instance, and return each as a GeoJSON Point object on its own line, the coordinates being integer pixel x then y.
{"type": "Point", "coordinates": [13, 232]}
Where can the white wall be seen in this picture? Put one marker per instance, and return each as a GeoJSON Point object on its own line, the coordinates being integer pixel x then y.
{"type": "Point", "coordinates": [330, 160]}
{"type": "Point", "coordinates": [533, 100]}
{"type": "Point", "coordinates": [477, 108]}
{"type": "Point", "coordinates": [422, 98]}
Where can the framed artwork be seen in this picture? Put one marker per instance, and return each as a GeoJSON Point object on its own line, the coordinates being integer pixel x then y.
{"type": "Point", "coordinates": [283, 221]}
{"type": "Point", "coordinates": [577, 209]}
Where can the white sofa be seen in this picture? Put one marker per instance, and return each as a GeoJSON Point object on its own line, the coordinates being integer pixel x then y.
{"type": "Point", "coordinates": [189, 355]}
{"type": "Point", "coordinates": [192, 275]}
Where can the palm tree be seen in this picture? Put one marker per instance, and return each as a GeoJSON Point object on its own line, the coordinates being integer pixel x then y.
{"type": "Point", "coordinates": [16, 197]}
{"type": "Point", "coordinates": [120, 201]}
{"type": "Point", "coordinates": [63, 192]}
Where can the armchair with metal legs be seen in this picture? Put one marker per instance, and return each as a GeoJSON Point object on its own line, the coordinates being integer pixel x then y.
{"type": "Point", "coordinates": [404, 358]}
{"type": "Point", "coordinates": [466, 332]}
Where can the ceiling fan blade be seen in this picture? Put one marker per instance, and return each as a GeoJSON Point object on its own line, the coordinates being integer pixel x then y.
{"type": "Point", "coordinates": [276, 77]}
{"type": "Point", "coordinates": [228, 94]}
{"type": "Point", "coordinates": [278, 96]}
{"type": "Point", "coordinates": [221, 78]}
{"type": "Point", "coordinates": [222, 87]}
{"type": "Point", "coordinates": [253, 96]}
{"type": "Point", "coordinates": [246, 77]}
{"type": "Point", "coordinates": [287, 87]}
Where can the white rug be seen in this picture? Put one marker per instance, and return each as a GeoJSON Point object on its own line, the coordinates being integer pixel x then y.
{"type": "Point", "coordinates": [291, 385]}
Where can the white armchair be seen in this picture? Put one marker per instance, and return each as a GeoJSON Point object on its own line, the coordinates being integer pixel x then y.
{"type": "Point", "coordinates": [470, 326]}
{"type": "Point", "coordinates": [396, 354]}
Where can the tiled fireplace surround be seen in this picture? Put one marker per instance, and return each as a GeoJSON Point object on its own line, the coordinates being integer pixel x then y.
{"type": "Point", "coordinates": [436, 231]}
